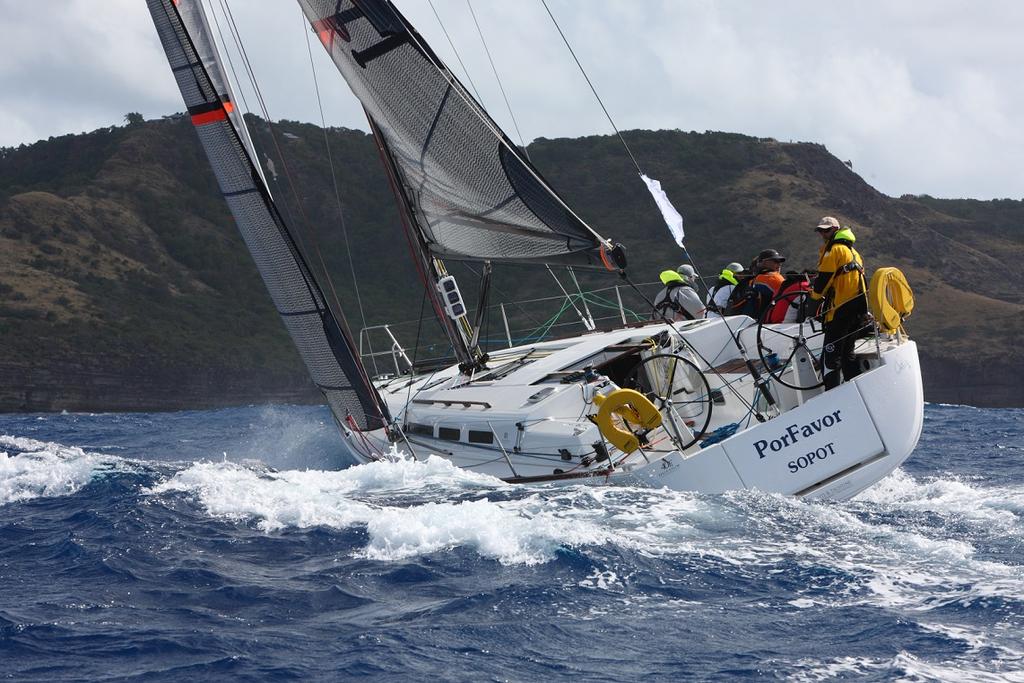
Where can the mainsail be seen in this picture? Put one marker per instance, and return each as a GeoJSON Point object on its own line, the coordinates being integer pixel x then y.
{"type": "Point", "coordinates": [322, 341]}
{"type": "Point", "coordinates": [470, 191]}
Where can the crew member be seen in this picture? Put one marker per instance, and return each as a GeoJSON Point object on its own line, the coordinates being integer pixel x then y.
{"type": "Point", "coordinates": [769, 263]}
{"type": "Point", "coordinates": [840, 282]}
{"type": "Point", "coordinates": [678, 300]}
{"type": "Point", "coordinates": [766, 283]}
{"type": "Point", "coordinates": [718, 295]}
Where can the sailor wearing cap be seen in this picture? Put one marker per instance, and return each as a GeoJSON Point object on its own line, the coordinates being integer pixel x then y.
{"type": "Point", "coordinates": [769, 263]}
{"type": "Point", "coordinates": [766, 283]}
{"type": "Point", "coordinates": [840, 282]}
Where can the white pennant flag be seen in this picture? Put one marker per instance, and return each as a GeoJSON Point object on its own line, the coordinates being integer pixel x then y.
{"type": "Point", "coordinates": [672, 218]}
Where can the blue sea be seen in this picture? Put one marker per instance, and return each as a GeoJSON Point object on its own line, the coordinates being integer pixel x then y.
{"type": "Point", "coordinates": [238, 544]}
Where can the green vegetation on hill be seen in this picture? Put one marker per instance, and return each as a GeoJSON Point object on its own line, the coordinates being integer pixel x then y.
{"type": "Point", "coordinates": [124, 283]}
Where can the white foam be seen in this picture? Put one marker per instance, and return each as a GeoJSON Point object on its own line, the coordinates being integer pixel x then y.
{"type": "Point", "coordinates": [906, 667]}
{"type": "Point", "coordinates": [46, 469]}
{"type": "Point", "coordinates": [509, 531]}
{"type": "Point", "coordinates": [894, 564]}
{"type": "Point", "coordinates": [601, 580]}
{"type": "Point", "coordinates": [838, 667]}
{"type": "Point", "coordinates": [512, 532]}
{"type": "Point", "coordinates": [997, 504]}
{"type": "Point", "coordinates": [915, 669]}
{"type": "Point", "coordinates": [524, 530]}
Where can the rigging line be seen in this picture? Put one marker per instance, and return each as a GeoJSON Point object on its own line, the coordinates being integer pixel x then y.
{"type": "Point", "coordinates": [415, 356]}
{"type": "Point", "coordinates": [583, 298]}
{"type": "Point", "coordinates": [486, 120]}
{"type": "Point", "coordinates": [339, 315]}
{"type": "Point", "coordinates": [227, 55]}
{"type": "Point", "coordinates": [592, 89]}
{"type": "Point", "coordinates": [568, 298]}
{"type": "Point", "coordinates": [457, 56]}
{"type": "Point", "coordinates": [233, 28]}
{"type": "Point", "coordinates": [334, 179]}
{"type": "Point", "coordinates": [515, 124]}
{"type": "Point", "coordinates": [238, 82]}
{"type": "Point", "coordinates": [502, 293]}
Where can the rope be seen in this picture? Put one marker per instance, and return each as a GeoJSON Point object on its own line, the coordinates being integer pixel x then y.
{"type": "Point", "coordinates": [457, 56]}
{"type": "Point", "coordinates": [334, 181]}
{"type": "Point", "coordinates": [294, 238]}
{"type": "Point", "coordinates": [236, 35]}
{"type": "Point", "coordinates": [515, 124]}
{"type": "Point", "coordinates": [568, 297]}
{"type": "Point", "coordinates": [583, 298]}
{"type": "Point", "coordinates": [592, 88]}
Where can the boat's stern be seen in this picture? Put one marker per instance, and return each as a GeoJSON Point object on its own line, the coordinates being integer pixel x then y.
{"type": "Point", "coordinates": [832, 446]}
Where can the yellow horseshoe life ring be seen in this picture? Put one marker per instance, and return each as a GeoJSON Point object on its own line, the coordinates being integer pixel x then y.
{"type": "Point", "coordinates": [634, 408]}
{"type": "Point", "coordinates": [890, 299]}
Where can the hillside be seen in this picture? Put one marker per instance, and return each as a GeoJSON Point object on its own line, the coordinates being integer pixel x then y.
{"type": "Point", "coordinates": [124, 284]}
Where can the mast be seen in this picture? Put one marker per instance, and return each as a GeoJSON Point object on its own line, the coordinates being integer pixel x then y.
{"type": "Point", "coordinates": [430, 269]}
{"type": "Point", "coordinates": [321, 338]}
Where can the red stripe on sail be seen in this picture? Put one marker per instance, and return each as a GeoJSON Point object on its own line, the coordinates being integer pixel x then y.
{"type": "Point", "coordinates": [209, 117]}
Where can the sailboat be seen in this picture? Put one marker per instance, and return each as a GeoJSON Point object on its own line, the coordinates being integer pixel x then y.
{"type": "Point", "coordinates": [707, 405]}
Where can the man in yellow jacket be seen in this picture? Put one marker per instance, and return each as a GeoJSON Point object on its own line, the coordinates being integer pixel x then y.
{"type": "Point", "coordinates": [840, 282]}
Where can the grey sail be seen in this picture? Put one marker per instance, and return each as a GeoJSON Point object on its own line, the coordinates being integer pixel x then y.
{"type": "Point", "coordinates": [470, 191]}
{"type": "Point", "coordinates": [322, 341]}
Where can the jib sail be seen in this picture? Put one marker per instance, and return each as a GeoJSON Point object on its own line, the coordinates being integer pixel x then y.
{"type": "Point", "coordinates": [472, 193]}
{"type": "Point", "coordinates": [322, 341]}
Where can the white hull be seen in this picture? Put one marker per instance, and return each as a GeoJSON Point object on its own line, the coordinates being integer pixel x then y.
{"type": "Point", "coordinates": [884, 407]}
{"type": "Point", "coordinates": [529, 424]}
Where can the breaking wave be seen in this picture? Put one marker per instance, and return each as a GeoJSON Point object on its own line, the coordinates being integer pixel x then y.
{"type": "Point", "coordinates": [33, 469]}
{"type": "Point", "coordinates": [417, 568]}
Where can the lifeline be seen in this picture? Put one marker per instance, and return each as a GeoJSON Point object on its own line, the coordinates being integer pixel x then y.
{"type": "Point", "coordinates": [790, 437]}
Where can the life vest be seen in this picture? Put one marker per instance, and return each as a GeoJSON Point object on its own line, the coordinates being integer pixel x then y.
{"type": "Point", "coordinates": [669, 302]}
{"type": "Point", "coordinates": [739, 296]}
{"type": "Point", "coordinates": [772, 279]}
{"type": "Point", "coordinates": [840, 273]}
{"type": "Point", "coordinates": [726, 279]}
{"type": "Point", "coordinates": [788, 298]}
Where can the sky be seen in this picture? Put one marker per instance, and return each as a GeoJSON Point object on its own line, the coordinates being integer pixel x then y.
{"type": "Point", "coordinates": [920, 95]}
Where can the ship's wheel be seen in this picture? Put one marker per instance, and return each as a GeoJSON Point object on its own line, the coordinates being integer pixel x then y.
{"type": "Point", "coordinates": [678, 388]}
{"type": "Point", "coordinates": [788, 349]}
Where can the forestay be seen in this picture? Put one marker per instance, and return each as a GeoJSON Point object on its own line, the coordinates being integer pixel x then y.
{"type": "Point", "coordinates": [472, 193]}
{"type": "Point", "coordinates": [322, 342]}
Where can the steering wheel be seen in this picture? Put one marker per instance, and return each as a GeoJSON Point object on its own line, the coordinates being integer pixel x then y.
{"type": "Point", "coordinates": [680, 391]}
{"type": "Point", "coordinates": [788, 349]}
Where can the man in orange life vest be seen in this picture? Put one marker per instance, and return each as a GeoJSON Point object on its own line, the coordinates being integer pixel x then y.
{"type": "Point", "coordinates": [840, 282]}
{"type": "Point", "coordinates": [766, 282]}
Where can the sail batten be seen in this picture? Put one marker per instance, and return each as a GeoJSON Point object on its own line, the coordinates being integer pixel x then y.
{"type": "Point", "coordinates": [473, 194]}
{"type": "Point", "coordinates": [322, 342]}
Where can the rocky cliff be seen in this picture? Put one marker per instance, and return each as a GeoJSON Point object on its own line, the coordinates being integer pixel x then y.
{"type": "Point", "coordinates": [124, 284]}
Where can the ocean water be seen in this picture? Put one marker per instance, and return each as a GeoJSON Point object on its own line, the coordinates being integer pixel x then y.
{"type": "Point", "coordinates": [230, 545]}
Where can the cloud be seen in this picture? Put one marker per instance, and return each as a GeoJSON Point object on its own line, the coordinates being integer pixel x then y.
{"type": "Point", "coordinates": [922, 97]}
